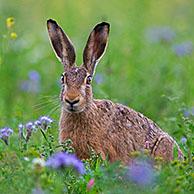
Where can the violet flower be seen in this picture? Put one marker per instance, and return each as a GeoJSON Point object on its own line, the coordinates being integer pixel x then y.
{"type": "Point", "coordinates": [62, 160]}
{"type": "Point", "coordinates": [160, 34]}
{"type": "Point", "coordinates": [34, 76]}
{"type": "Point", "coordinates": [141, 172]}
{"type": "Point", "coordinates": [21, 131]}
{"type": "Point", "coordinates": [32, 84]}
{"type": "Point", "coordinates": [29, 128]}
{"type": "Point", "coordinates": [5, 133]}
{"type": "Point", "coordinates": [183, 140]}
{"type": "Point", "coordinates": [38, 190]}
{"type": "Point", "coordinates": [44, 122]}
{"type": "Point", "coordinates": [183, 49]}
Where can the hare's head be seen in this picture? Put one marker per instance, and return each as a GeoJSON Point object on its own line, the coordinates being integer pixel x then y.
{"type": "Point", "coordinates": [76, 93]}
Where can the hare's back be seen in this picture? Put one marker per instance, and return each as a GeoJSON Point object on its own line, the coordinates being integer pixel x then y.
{"type": "Point", "coordinates": [123, 120]}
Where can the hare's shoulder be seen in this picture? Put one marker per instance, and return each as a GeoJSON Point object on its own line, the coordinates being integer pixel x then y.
{"type": "Point", "coordinates": [126, 117]}
{"type": "Point", "coordinates": [119, 111]}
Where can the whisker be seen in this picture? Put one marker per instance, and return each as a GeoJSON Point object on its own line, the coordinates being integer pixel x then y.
{"type": "Point", "coordinates": [53, 110]}
{"type": "Point", "coordinates": [51, 96]}
{"type": "Point", "coordinates": [49, 100]}
{"type": "Point", "coordinates": [45, 105]}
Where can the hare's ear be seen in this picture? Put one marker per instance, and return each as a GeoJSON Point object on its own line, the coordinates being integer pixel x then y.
{"type": "Point", "coordinates": [61, 44]}
{"type": "Point", "coordinates": [95, 46]}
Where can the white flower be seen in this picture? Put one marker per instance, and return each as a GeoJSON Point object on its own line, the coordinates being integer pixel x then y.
{"type": "Point", "coordinates": [38, 163]}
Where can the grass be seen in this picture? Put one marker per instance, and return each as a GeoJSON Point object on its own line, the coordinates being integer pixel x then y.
{"type": "Point", "coordinates": [146, 74]}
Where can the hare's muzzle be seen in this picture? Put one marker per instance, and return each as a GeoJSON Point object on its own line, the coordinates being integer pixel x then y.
{"type": "Point", "coordinates": [73, 104]}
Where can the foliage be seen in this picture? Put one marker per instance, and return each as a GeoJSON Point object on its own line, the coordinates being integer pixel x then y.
{"type": "Point", "coordinates": [148, 66]}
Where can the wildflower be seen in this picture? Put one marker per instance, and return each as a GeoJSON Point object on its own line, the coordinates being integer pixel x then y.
{"type": "Point", "coordinates": [61, 160]}
{"type": "Point", "coordinates": [29, 125]}
{"type": "Point", "coordinates": [29, 128]}
{"type": "Point", "coordinates": [10, 22]}
{"type": "Point", "coordinates": [141, 172]}
{"type": "Point", "coordinates": [21, 131]}
{"type": "Point", "coordinates": [34, 75]}
{"type": "Point", "coordinates": [38, 164]}
{"type": "Point", "coordinates": [183, 140]}
{"type": "Point", "coordinates": [5, 133]}
{"type": "Point", "coordinates": [37, 123]}
{"type": "Point", "coordinates": [26, 159]}
{"type": "Point", "coordinates": [160, 34]}
{"type": "Point", "coordinates": [13, 35]}
{"type": "Point", "coordinates": [32, 84]}
{"type": "Point", "coordinates": [183, 49]}
{"type": "Point", "coordinates": [24, 86]}
{"type": "Point", "coordinates": [186, 113]}
{"type": "Point", "coordinates": [99, 78]}
{"type": "Point", "coordinates": [45, 122]}
{"type": "Point", "coordinates": [90, 184]}
{"type": "Point", "coordinates": [38, 190]}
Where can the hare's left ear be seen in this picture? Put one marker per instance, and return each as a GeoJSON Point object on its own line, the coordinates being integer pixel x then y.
{"type": "Point", "coordinates": [62, 45]}
{"type": "Point", "coordinates": [95, 46]}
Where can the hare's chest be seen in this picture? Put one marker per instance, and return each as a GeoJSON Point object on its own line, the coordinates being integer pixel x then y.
{"type": "Point", "coordinates": [84, 140]}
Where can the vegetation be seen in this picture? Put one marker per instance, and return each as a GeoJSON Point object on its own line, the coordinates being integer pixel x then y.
{"type": "Point", "coordinates": [149, 66]}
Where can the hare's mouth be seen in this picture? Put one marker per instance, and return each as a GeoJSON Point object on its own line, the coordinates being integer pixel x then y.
{"type": "Point", "coordinates": [72, 109]}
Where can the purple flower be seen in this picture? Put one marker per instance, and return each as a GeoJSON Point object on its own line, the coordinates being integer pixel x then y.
{"type": "Point", "coordinates": [34, 75]}
{"type": "Point", "coordinates": [141, 172]}
{"type": "Point", "coordinates": [45, 122]}
{"type": "Point", "coordinates": [37, 123]}
{"type": "Point", "coordinates": [186, 113]}
{"type": "Point", "coordinates": [24, 85]}
{"type": "Point", "coordinates": [32, 84]}
{"type": "Point", "coordinates": [29, 128]}
{"type": "Point", "coordinates": [38, 190]}
{"type": "Point", "coordinates": [21, 131]}
{"type": "Point", "coordinates": [183, 140]}
{"type": "Point", "coordinates": [29, 125]}
{"type": "Point", "coordinates": [5, 133]}
{"type": "Point", "coordinates": [160, 34]}
{"type": "Point", "coordinates": [183, 49]}
{"type": "Point", "coordinates": [62, 159]}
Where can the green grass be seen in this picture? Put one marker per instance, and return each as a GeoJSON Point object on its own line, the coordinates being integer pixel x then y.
{"type": "Point", "coordinates": [146, 76]}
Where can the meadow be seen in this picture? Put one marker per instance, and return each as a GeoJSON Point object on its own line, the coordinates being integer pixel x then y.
{"type": "Point", "coordinates": [148, 66]}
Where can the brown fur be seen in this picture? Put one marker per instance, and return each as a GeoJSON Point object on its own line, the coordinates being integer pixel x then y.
{"type": "Point", "coordinates": [110, 129]}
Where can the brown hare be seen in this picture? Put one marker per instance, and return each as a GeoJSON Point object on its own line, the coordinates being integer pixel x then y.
{"type": "Point", "coordinates": [110, 129]}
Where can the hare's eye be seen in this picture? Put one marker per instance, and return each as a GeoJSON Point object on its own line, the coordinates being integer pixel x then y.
{"type": "Point", "coordinates": [89, 79]}
{"type": "Point", "coordinates": [62, 78]}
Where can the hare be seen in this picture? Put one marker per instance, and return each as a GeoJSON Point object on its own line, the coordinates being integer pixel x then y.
{"type": "Point", "coordinates": [110, 129]}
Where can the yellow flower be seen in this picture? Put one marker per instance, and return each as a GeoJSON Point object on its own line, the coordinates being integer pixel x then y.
{"type": "Point", "coordinates": [13, 35]}
{"type": "Point", "coordinates": [10, 22]}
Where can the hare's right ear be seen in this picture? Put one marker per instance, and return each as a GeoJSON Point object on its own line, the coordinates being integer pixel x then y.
{"type": "Point", "coordinates": [95, 46]}
{"type": "Point", "coordinates": [61, 44]}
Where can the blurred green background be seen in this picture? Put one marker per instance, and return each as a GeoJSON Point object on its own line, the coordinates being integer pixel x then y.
{"type": "Point", "coordinates": [148, 61]}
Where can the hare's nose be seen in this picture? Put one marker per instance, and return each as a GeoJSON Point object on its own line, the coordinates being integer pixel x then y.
{"type": "Point", "coordinates": [71, 102]}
